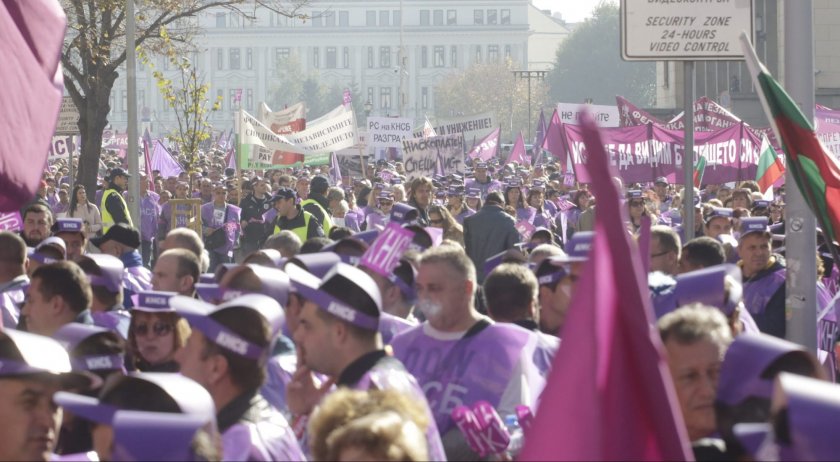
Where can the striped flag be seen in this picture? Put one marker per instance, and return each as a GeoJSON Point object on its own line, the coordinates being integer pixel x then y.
{"type": "Point", "coordinates": [699, 170]}
{"type": "Point", "coordinates": [770, 168]}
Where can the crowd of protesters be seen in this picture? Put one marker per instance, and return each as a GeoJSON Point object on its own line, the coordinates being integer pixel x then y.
{"type": "Point", "coordinates": [292, 344]}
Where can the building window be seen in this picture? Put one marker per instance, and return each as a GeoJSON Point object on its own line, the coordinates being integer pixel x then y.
{"type": "Point", "coordinates": [478, 54]}
{"type": "Point", "coordinates": [249, 98]}
{"type": "Point", "coordinates": [384, 56]}
{"type": "Point", "coordinates": [492, 53]}
{"type": "Point", "coordinates": [384, 18]}
{"type": "Point", "coordinates": [424, 56]}
{"type": "Point", "coordinates": [316, 57]}
{"type": "Point", "coordinates": [332, 59]}
{"type": "Point", "coordinates": [344, 18]}
{"type": "Point", "coordinates": [385, 97]}
{"type": "Point", "coordinates": [451, 17]}
{"type": "Point", "coordinates": [478, 16]}
{"type": "Point", "coordinates": [280, 55]}
{"type": "Point", "coordinates": [234, 20]}
{"type": "Point", "coordinates": [453, 56]}
{"type": "Point", "coordinates": [249, 58]}
{"type": "Point", "coordinates": [329, 20]}
{"type": "Point", "coordinates": [507, 51]}
{"type": "Point", "coordinates": [345, 57]}
{"type": "Point", "coordinates": [396, 14]}
{"type": "Point", "coordinates": [371, 63]}
{"type": "Point", "coordinates": [439, 59]}
{"type": "Point", "coordinates": [234, 58]}
{"type": "Point", "coordinates": [424, 98]}
{"type": "Point", "coordinates": [317, 19]}
{"type": "Point", "coordinates": [371, 18]}
{"type": "Point", "coordinates": [221, 20]}
{"type": "Point", "coordinates": [438, 17]}
{"type": "Point", "coordinates": [220, 58]}
{"type": "Point", "coordinates": [491, 17]}
{"type": "Point", "coordinates": [505, 16]}
{"type": "Point", "coordinates": [424, 17]}
{"type": "Point", "coordinates": [124, 101]}
{"type": "Point", "coordinates": [370, 96]}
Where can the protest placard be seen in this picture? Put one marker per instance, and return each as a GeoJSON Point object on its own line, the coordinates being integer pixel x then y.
{"type": "Point", "coordinates": [420, 155]}
{"type": "Point", "coordinates": [388, 132]}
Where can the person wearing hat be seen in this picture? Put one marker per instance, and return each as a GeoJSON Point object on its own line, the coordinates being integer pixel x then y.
{"type": "Point", "coordinates": [482, 181]}
{"type": "Point", "coordinates": [50, 250]}
{"type": "Point", "coordinates": [490, 231]}
{"type": "Point", "coordinates": [718, 221]}
{"type": "Point", "coordinates": [660, 186]}
{"type": "Point", "coordinates": [459, 355]}
{"type": "Point", "coordinates": [557, 277]}
{"type": "Point", "coordinates": [72, 232]}
{"type": "Point", "coordinates": [380, 214]}
{"type": "Point", "coordinates": [113, 207]}
{"type": "Point", "coordinates": [337, 335]}
{"type": "Point", "coordinates": [156, 332]}
{"type": "Point", "coordinates": [149, 215]}
{"type": "Point", "coordinates": [696, 338]}
{"type": "Point", "coordinates": [456, 205]}
{"type": "Point", "coordinates": [148, 416]}
{"type": "Point", "coordinates": [764, 276]}
{"type": "Point", "coordinates": [317, 204]}
{"type": "Point", "coordinates": [59, 293]}
{"type": "Point", "coordinates": [122, 241]}
{"type": "Point", "coordinates": [220, 219]}
{"type": "Point", "coordinates": [227, 353]}
{"type": "Point", "coordinates": [254, 205]}
{"type": "Point", "coordinates": [13, 277]}
{"type": "Point", "coordinates": [292, 217]}
{"type": "Point", "coordinates": [32, 369]}
{"type": "Point", "coordinates": [105, 273]}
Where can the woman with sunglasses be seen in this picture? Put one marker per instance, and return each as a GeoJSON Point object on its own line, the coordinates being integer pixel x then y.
{"type": "Point", "coordinates": [156, 332]}
{"type": "Point", "coordinates": [638, 209]}
{"type": "Point", "coordinates": [439, 217]}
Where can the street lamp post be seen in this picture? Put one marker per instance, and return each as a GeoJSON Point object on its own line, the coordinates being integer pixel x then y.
{"type": "Point", "coordinates": [368, 108]}
{"type": "Point", "coordinates": [529, 75]}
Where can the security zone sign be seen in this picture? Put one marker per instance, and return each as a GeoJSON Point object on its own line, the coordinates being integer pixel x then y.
{"type": "Point", "coordinates": [684, 30]}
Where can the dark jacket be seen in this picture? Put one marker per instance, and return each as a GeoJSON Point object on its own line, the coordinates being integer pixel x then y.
{"type": "Point", "coordinates": [253, 208]}
{"type": "Point", "coordinates": [764, 297]}
{"type": "Point", "coordinates": [115, 206]}
{"type": "Point", "coordinates": [489, 232]}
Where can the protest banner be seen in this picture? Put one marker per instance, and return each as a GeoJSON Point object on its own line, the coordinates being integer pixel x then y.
{"type": "Point", "coordinates": [420, 155]}
{"type": "Point", "coordinates": [62, 146]}
{"type": "Point", "coordinates": [473, 126]}
{"type": "Point", "coordinates": [289, 120]}
{"type": "Point", "coordinates": [334, 131]}
{"type": "Point", "coordinates": [605, 116]}
{"type": "Point", "coordinates": [11, 221]}
{"type": "Point", "coordinates": [385, 252]}
{"type": "Point", "coordinates": [643, 153]}
{"type": "Point", "coordinates": [260, 148]}
{"type": "Point", "coordinates": [388, 132]}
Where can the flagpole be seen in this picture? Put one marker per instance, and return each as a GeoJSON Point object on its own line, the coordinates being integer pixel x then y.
{"type": "Point", "coordinates": [688, 152]}
{"type": "Point", "coordinates": [800, 224]}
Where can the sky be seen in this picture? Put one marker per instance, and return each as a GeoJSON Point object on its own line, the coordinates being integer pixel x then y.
{"type": "Point", "coordinates": [572, 10]}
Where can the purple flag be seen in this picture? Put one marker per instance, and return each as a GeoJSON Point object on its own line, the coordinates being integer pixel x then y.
{"type": "Point", "coordinates": [539, 138]}
{"type": "Point", "coordinates": [347, 98]}
{"type": "Point", "coordinates": [335, 170]}
{"type": "Point", "coordinates": [162, 161]}
{"type": "Point", "coordinates": [518, 154]}
{"type": "Point", "coordinates": [609, 394]}
{"type": "Point", "coordinates": [31, 38]}
{"type": "Point", "coordinates": [487, 148]}
{"type": "Point", "coordinates": [553, 141]}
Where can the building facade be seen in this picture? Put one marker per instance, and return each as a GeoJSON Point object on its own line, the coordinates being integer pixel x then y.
{"type": "Point", "coordinates": [394, 52]}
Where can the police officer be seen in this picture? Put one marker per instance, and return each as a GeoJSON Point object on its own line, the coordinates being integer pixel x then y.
{"type": "Point", "coordinates": [290, 216]}
{"type": "Point", "coordinates": [113, 206]}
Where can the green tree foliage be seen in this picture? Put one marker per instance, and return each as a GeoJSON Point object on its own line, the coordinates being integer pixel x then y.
{"type": "Point", "coordinates": [589, 65]}
{"type": "Point", "coordinates": [491, 87]}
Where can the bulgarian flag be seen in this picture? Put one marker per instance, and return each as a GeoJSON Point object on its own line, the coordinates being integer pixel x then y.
{"type": "Point", "coordinates": [770, 168]}
{"type": "Point", "coordinates": [816, 172]}
{"type": "Point", "coordinates": [699, 170]}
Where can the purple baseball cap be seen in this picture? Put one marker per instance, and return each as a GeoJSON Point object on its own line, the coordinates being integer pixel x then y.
{"type": "Point", "coordinates": [707, 286]}
{"type": "Point", "coordinates": [190, 397]}
{"type": "Point", "coordinates": [634, 194]}
{"type": "Point", "coordinates": [813, 416]}
{"type": "Point", "coordinates": [549, 272]}
{"type": "Point", "coordinates": [318, 263]}
{"type": "Point", "coordinates": [199, 315]}
{"type": "Point", "coordinates": [154, 301]}
{"type": "Point", "coordinates": [579, 245]}
{"type": "Point", "coordinates": [172, 434]}
{"type": "Point", "coordinates": [747, 358]}
{"type": "Point", "coordinates": [273, 282]}
{"type": "Point", "coordinates": [403, 213]}
{"type": "Point", "coordinates": [346, 292]}
{"type": "Point", "coordinates": [112, 271]}
{"type": "Point", "coordinates": [474, 193]}
{"type": "Point", "coordinates": [72, 334]}
{"type": "Point", "coordinates": [662, 289]}
{"type": "Point", "coordinates": [52, 241]}
{"type": "Point", "coordinates": [68, 225]}
{"type": "Point", "coordinates": [39, 354]}
{"type": "Point", "coordinates": [719, 212]}
{"type": "Point", "coordinates": [750, 225]}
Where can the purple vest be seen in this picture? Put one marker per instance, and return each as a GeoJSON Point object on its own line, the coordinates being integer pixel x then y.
{"type": "Point", "coordinates": [388, 375]}
{"type": "Point", "coordinates": [352, 220]}
{"type": "Point", "coordinates": [137, 279]}
{"type": "Point", "coordinates": [759, 292]}
{"type": "Point", "coordinates": [270, 439]}
{"type": "Point", "coordinates": [490, 186]}
{"type": "Point", "coordinates": [231, 231]}
{"type": "Point", "coordinates": [462, 372]}
{"type": "Point", "coordinates": [390, 326]}
{"type": "Point", "coordinates": [527, 214]}
{"type": "Point", "coordinates": [543, 220]}
{"type": "Point", "coordinates": [547, 346]}
{"type": "Point", "coordinates": [149, 214]}
{"type": "Point", "coordinates": [279, 371]}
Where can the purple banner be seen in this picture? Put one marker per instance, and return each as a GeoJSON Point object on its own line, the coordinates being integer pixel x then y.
{"type": "Point", "coordinates": [11, 221]}
{"type": "Point", "coordinates": [643, 153]}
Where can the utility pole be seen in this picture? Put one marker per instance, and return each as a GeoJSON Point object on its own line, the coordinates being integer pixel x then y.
{"type": "Point", "coordinates": [131, 90]}
{"type": "Point", "coordinates": [401, 62]}
{"type": "Point", "coordinates": [530, 75]}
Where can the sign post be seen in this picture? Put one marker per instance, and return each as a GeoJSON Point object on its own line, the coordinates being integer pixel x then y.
{"type": "Point", "coordinates": [684, 31]}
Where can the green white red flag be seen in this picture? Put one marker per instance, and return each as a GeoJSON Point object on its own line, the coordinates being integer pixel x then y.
{"type": "Point", "coordinates": [770, 168]}
{"type": "Point", "coordinates": [815, 170]}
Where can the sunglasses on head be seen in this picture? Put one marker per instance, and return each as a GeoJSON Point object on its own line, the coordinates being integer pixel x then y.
{"type": "Point", "coordinates": [159, 329]}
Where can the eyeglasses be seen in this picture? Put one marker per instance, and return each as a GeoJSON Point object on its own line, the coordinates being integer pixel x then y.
{"type": "Point", "coordinates": [159, 328]}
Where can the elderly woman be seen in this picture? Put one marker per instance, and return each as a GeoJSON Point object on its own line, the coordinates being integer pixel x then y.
{"type": "Point", "coordinates": [156, 332]}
